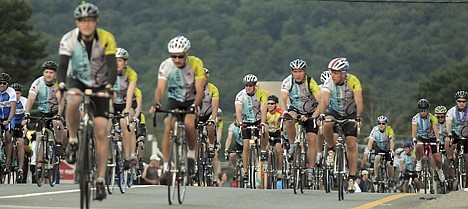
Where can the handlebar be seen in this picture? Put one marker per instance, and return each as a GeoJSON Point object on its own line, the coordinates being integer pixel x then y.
{"type": "Point", "coordinates": [174, 111]}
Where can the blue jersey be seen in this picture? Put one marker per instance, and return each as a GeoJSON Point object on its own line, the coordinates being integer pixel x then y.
{"type": "Point", "coordinates": [20, 110]}
{"type": "Point", "coordinates": [6, 98]}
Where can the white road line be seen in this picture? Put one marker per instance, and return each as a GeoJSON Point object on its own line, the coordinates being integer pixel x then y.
{"type": "Point", "coordinates": [39, 194]}
{"type": "Point", "coordinates": [34, 207]}
{"type": "Point", "coordinates": [56, 192]}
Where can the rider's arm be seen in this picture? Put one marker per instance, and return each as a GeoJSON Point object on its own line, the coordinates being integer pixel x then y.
{"type": "Point", "coordinates": [139, 101]}
{"type": "Point", "coordinates": [159, 92]}
{"type": "Point", "coordinates": [63, 68]}
{"type": "Point", "coordinates": [359, 102]}
{"type": "Point", "coordinates": [238, 112]}
{"type": "Point", "coordinates": [392, 143]}
{"type": "Point", "coordinates": [414, 128]}
{"type": "Point", "coordinates": [448, 126]}
{"type": "Point", "coordinates": [324, 101]}
{"type": "Point", "coordinates": [228, 140]}
{"type": "Point", "coordinates": [371, 141]}
{"type": "Point", "coordinates": [264, 110]}
{"type": "Point", "coordinates": [283, 100]}
{"type": "Point", "coordinates": [12, 111]}
{"type": "Point", "coordinates": [130, 92]}
{"type": "Point", "coordinates": [30, 102]}
{"type": "Point", "coordinates": [214, 105]}
{"type": "Point", "coordinates": [317, 111]}
{"type": "Point", "coordinates": [199, 84]}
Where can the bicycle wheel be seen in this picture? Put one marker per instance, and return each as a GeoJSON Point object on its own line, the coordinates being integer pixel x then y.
{"type": "Point", "coordinates": [54, 165]}
{"type": "Point", "coordinates": [40, 171]}
{"type": "Point", "coordinates": [131, 176]}
{"type": "Point", "coordinates": [461, 172]}
{"type": "Point", "coordinates": [296, 171]}
{"type": "Point", "coordinates": [252, 168]}
{"type": "Point", "coordinates": [172, 172]}
{"type": "Point", "coordinates": [183, 172]}
{"type": "Point", "coordinates": [381, 179]}
{"type": "Point", "coordinates": [425, 174]}
{"type": "Point", "coordinates": [340, 174]}
{"type": "Point", "coordinates": [272, 170]}
{"type": "Point", "coordinates": [84, 167]}
{"type": "Point", "coordinates": [111, 169]}
{"type": "Point", "coordinates": [201, 163]}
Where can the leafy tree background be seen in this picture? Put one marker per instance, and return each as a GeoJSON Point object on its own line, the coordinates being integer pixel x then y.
{"type": "Point", "coordinates": [401, 52]}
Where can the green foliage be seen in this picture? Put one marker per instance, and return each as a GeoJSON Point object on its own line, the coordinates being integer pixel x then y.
{"type": "Point", "coordinates": [20, 46]}
{"type": "Point", "coordinates": [391, 47]}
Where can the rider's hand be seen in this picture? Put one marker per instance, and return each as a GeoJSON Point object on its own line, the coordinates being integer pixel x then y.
{"type": "Point", "coordinates": [226, 154]}
{"type": "Point", "coordinates": [414, 140]}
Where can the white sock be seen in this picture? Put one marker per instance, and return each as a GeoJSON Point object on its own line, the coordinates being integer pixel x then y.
{"type": "Point", "coordinates": [165, 166]}
{"type": "Point", "coordinates": [191, 154]}
{"type": "Point", "coordinates": [73, 140]}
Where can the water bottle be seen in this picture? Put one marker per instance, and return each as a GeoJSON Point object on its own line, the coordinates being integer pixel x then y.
{"type": "Point", "coordinates": [279, 184]}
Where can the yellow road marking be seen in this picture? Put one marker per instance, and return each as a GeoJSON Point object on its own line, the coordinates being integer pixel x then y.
{"type": "Point", "coordinates": [384, 200]}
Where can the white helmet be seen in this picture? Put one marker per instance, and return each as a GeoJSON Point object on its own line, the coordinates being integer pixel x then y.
{"type": "Point", "coordinates": [325, 75]}
{"type": "Point", "coordinates": [178, 44]}
{"type": "Point", "coordinates": [220, 112]}
{"type": "Point", "coordinates": [122, 53]}
{"type": "Point", "coordinates": [298, 64]}
{"type": "Point", "coordinates": [250, 79]}
{"type": "Point", "coordinates": [339, 64]}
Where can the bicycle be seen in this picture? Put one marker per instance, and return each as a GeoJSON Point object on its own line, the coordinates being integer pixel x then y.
{"type": "Point", "coordinates": [239, 167]}
{"type": "Point", "coordinates": [115, 171]}
{"type": "Point", "coordinates": [254, 144]}
{"type": "Point", "coordinates": [340, 167]}
{"type": "Point", "coordinates": [287, 164]}
{"type": "Point", "coordinates": [205, 155]}
{"type": "Point", "coordinates": [11, 176]}
{"type": "Point", "coordinates": [271, 167]}
{"type": "Point", "coordinates": [86, 165]}
{"type": "Point", "coordinates": [178, 177]}
{"type": "Point", "coordinates": [46, 146]}
{"type": "Point", "coordinates": [427, 174]}
{"type": "Point", "coordinates": [383, 184]}
{"type": "Point", "coordinates": [299, 175]}
{"type": "Point", "coordinates": [460, 164]}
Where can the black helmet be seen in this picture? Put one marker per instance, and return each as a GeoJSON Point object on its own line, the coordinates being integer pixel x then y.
{"type": "Point", "coordinates": [17, 87]}
{"type": "Point", "coordinates": [274, 98]}
{"type": "Point", "coordinates": [5, 77]}
{"type": "Point", "coordinates": [86, 10]}
{"type": "Point", "coordinates": [423, 104]}
{"type": "Point", "coordinates": [51, 65]}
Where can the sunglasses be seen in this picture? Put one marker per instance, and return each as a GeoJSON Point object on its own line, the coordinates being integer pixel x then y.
{"type": "Point", "coordinates": [271, 103]}
{"type": "Point", "coordinates": [177, 56]}
{"type": "Point", "coordinates": [461, 101]}
{"type": "Point", "coordinates": [4, 83]}
{"type": "Point", "coordinates": [440, 116]}
{"type": "Point", "coordinates": [423, 110]}
{"type": "Point", "coordinates": [382, 123]}
{"type": "Point", "coordinates": [249, 85]}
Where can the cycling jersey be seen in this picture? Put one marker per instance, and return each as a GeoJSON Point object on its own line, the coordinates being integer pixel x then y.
{"type": "Point", "coordinates": [91, 69]}
{"type": "Point", "coordinates": [45, 95]}
{"type": "Point", "coordinates": [273, 120]}
{"type": "Point", "coordinates": [301, 95]}
{"type": "Point", "coordinates": [137, 94]}
{"type": "Point", "coordinates": [121, 84]}
{"type": "Point", "coordinates": [142, 119]}
{"type": "Point", "coordinates": [425, 129]}
{"type": "Point", "coordinates": [209, 93]}
{"type": "Point", "coordinates": [457, 117]}
{"type": "Point", "coordinates": [251, 104]}
{"type": "Point", "coordinates": [20, 110]}
{"type": "Point", "coordinates": [235, 130]}
{"type": "Point", "coordinates": [382, 138]}
{"type": "Point", "coordinates": [181, 82]}
{"type": "Point", "coordinates": [442, 131]}
{"type": "Point", "coordinates": [409, 162]}
{"type": "Point", "coordinates": [6, 97]}
{"type": "Point", "coordinates": [342, 96]}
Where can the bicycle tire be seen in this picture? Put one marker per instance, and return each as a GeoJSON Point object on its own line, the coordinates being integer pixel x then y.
{"type": "Point", "coordinates": [54, 165]}
{"type": "Point", "coordinates": [131, 176]}
{"type": "Point", "coordinates": [461, 172]}
{"type": "Point", "coordinates": [172, 172]}
{"type": "Point", "coordinates": [111, 169]}
{"type": "Point", "coordinates": [183, 171]}
{"type": "Point", "coordinates": [253, 167]}
{"type": "Point", "coordinates": [39, 175]}
{"type": "Point", "coordinates": [296, 174]}
{"type": "Point", "coordinates": [272, 170]}
{"type": "Point", "coordinates": [339, 165]}
{"type": "Point", "coordinates": [84, 168]}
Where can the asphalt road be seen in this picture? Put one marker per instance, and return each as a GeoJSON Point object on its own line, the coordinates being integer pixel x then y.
{"type": "Point", "coordinates": [141, 197]}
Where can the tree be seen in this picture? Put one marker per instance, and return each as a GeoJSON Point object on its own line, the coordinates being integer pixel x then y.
{"type": "Point", "coordinates": [20, 46]}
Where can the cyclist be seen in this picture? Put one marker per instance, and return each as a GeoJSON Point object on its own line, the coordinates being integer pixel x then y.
{"type": "Point", "coordinates": [274, 127]}
{"type": "Point", "coordinates": [440, 113]}
{"type": "Point", "coordinates": [251, 109]}
{"type": "Point", "coordinates": [304, 95]}
{"type": "Point", "coordinates": [456, 121]}
{"type": "Point", "coordinates": [342, 99]}
{"type": "Point", "coordinates": [124, 89]}
{"type": "Point", "coordinates": [18, 129]}
{"type": "Point", "coordinates": [384, 137]}
{"type": "Point", "coordinates": [210, 102]}
{"type": "Point", "coordinates": [425, 129]}
{"type": "Point", "coordinates": [233, 133]}
{"type": "Point", "coordinates": [7, 112]}
{"type": "Point", "coordinates": [44, 89]}
{"type": "Point", "coordinates": [323, 77]}
{"type": "Point", "coordinates": [184, 77]}
{"type": "Point", "coordinates": [90, 51]}
{"type": "Point", "coordinates": [408, 166]}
